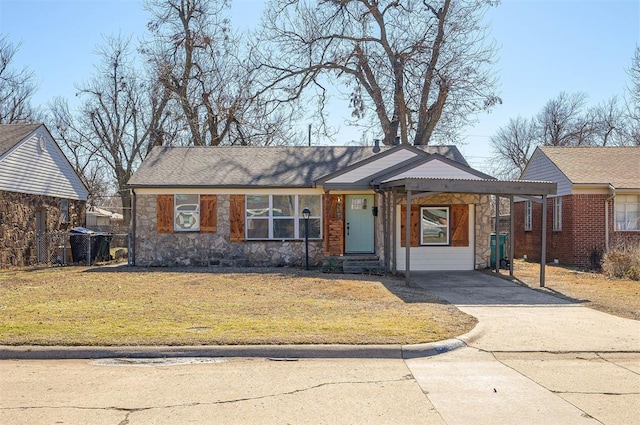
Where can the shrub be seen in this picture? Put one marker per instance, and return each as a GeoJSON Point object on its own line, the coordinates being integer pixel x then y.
{"type": "Point", "coordinates": [622, 262]}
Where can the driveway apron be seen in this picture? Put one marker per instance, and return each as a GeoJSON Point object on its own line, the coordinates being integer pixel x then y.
{"type": "Point", "coordinates": [535, 357]}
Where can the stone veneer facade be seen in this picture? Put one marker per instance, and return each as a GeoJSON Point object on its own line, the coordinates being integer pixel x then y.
{"type": "Point", "coordinates": [211, 249]}
{"type": "Point", "coordinates": [18, 239]}
{"type": "Point", "coordinates": [207, 249]}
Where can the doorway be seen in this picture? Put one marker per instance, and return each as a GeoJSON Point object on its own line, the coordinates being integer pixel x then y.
{"type": "Point", "coordinates": [359, 224]}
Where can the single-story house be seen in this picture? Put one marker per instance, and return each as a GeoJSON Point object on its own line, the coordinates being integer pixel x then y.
{"type": "Point", "coordinates": [102, 219]}
{"type": "Point", "coordinates": [244, 204]}
{"type": "Point", "coordinates": [40, 193]}
{"type": "Point", "coordinates": [596, 207]}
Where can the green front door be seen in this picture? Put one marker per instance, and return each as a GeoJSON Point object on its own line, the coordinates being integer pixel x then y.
{"type": "Point", "coordinates": [359, 226]}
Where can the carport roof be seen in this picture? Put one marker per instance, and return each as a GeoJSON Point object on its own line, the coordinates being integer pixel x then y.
{"type": "Point", "coordinates": [481, 186]}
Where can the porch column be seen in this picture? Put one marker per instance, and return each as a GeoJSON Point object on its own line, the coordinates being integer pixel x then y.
{"type": "Point", "coordinates": [511, 234]}
{"type": "Point", "coordinates": [386, 227]}
{"type": "Point", "coordinates": [407, 240]}
{"type": "Point", "coordinates": [394, 258]}
{"type": "Point", "coordinates": [543, 248]}
{"type": "Point", "coordinates": [496, 228]}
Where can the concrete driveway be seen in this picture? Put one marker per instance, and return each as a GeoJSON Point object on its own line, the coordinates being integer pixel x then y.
{"type": "Point", "coordinates": [534, 358]}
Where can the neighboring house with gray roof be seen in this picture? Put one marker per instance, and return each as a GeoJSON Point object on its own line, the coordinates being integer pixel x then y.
{"type": "Point", "coordinates": [244, 205]}
{"type": "Point", "coordinates": [40, 193]}
{"type": "Point", "coordinates": [596, 207]}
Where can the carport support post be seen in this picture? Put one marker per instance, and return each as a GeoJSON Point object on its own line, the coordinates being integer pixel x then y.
{"type": "Point", "coordinates": [511, 234]}
{"type": "Point", "coordinates": [543, 248]}
{"type": "Point", "coordinates": [407, 240]}
{"type": "Point", "coordinates": [496, 226]}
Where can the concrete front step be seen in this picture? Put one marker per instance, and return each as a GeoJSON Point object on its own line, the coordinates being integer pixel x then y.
{"type": "Point", "coordinates": [359, 267]}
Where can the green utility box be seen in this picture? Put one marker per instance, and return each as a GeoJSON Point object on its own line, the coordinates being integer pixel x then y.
{"type": "Point", "coordinates": [501, 248]}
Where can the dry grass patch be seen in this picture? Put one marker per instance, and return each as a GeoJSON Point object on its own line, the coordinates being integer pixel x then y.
{"type": "Point", "coordinates": [134, 306]}
{"type": "Point", "coordinates": [620, 297]}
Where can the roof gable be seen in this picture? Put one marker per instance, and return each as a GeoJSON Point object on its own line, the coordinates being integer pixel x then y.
{"type": "Point", "coordinates": [435, 166]}
{"type": "Point", "coordinates": [36, 165]}
{"type": "Point", "coordinates": [365, 170]}
{"type": "Point", "coordinates": [618, 166]}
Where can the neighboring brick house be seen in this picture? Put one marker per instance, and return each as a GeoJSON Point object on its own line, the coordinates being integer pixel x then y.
{"type": "Point", "coordinates": [597, 205]}
{"type": "Point", "coordinates": [39, 193]}
{"type": "Point", "coordinates": [244, 205]}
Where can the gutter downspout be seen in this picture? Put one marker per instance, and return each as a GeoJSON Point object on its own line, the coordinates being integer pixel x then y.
{"type": "Point", "coordinates": [606, 217]}
{"type": "Point", "coordinates": [132, 258]}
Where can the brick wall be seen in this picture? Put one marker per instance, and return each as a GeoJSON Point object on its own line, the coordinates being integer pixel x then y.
{"type": "Point", "coordinates": [18, 246]}
{"type": "Point", "coordinates": [583, 230]}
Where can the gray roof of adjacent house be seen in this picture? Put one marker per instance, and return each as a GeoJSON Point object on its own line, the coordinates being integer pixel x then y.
{"type": "Point", "coordinates": [253, 166]}
{"type": "Point", "coordinates": [618, 166]}
{"type": "Point", "coordinates": [12, 134]}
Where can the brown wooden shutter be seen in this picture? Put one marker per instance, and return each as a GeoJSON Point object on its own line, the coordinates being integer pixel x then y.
{"type": "Point", "coordinates": [460, 225]}
{"type": "Point", "coordinates": [208, 213]}
{"type": "Point", "coordinates": [415, 225]}
{"type": "Point", "coordinates": [237, 218]}
{"type": "Point", "coordinates": [164, 212]}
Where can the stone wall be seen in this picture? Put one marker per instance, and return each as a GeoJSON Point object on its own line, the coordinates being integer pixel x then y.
{"type": "Point", "coordinates": [18, 241]}
{"type": "Point", "coordinates": [211, 249]}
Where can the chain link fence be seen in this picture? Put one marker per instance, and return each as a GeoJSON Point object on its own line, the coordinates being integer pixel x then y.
{"type": "Point", "coordinates": [86, 248]}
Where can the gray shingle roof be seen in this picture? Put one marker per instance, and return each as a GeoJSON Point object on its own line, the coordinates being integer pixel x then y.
{"type": "Point", "coordinates": [618, 166]}
{"type": "Point", "coordinates": [246, 166]}
{"type": "Point", "coordinates": [11, 134]}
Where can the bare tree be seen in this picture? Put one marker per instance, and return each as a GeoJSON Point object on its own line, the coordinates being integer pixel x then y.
{"type": "Point", "coordinates": [562, 121]}
{"type": "Point", "coordinates": [16, 87]}
{"type": "Point", "coordinates": [119, 118]}
{"type": "Point", "coordinates": [412, 65]}
{"type": "Point", "coordinates": [609, 123]}
{"type": "Point", "coordinates": [632, 101]}
{"type": "Point", "coordinates": [202, 65]}
{"type": "Point", "coordinates": [513, 145]}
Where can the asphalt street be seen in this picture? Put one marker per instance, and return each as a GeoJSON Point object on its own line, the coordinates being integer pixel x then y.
{"type": "Point", "coordinates": [534, 358]}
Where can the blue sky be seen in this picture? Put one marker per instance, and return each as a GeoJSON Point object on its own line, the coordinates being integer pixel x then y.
{"type": "Point", "coordinates": [545, 47]}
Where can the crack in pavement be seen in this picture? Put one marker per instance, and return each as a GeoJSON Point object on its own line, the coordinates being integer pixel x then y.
{"type": "Point", "coordinates": [599, 355]}
{"type": "Point", "coordinates": [584, 413]}
{"type": "Point", "coordinates": [131, 410]}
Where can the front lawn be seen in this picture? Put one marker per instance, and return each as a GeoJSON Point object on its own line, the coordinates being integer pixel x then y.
{"type": "Point", "coordinates": [620, 297]}
{"type": "Point", "coordinates": [136, 306]}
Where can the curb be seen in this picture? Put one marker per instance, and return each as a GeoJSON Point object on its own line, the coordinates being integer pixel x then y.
{"type": "Point", "coordinates": [395, 351]}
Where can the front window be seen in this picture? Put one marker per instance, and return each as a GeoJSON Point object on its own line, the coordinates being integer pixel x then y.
{"type": "Point", "coordinates": [435, 226]}
{"type": "Point", "coordinates": [280, 216]}
{"type": "Point", "coordinates": [557, 214]}
{"type": "Point", "coordinates": [527, 215]}
{"type": "Point", "coordinates": [627, 212]}
{"type": "Point", "coordinates": [186, 213]}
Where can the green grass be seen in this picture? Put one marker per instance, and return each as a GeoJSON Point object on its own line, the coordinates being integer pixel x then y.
{"type": "Point", "coordinates": [131, 306]}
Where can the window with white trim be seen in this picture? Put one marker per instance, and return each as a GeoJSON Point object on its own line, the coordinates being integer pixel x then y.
{"type": "Point", "coordinates": [557, 214]}
{"type": "Point", "coordinates": [434, 226]}
{"type": "Point", "coordinates": [186, 213]}
{"type": "Point", "coordinates": [527, 215]}
{"type": "Point", "coordinates": [280, 216]}
{"type": "Point", "coordinates": [627, 210]}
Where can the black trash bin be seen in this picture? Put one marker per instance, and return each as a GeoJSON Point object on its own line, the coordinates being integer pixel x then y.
{"type": "Point", "coordinates": [83, 239]}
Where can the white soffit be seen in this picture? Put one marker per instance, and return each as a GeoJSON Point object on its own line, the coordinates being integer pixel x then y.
{"type": "Point", "coordinates": [373, 167]}
{"type": "Point", "coordinates": [434, 169]}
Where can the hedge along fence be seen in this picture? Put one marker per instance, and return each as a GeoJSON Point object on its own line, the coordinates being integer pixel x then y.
{"type": "Point", "coordinates": [622, 262]}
